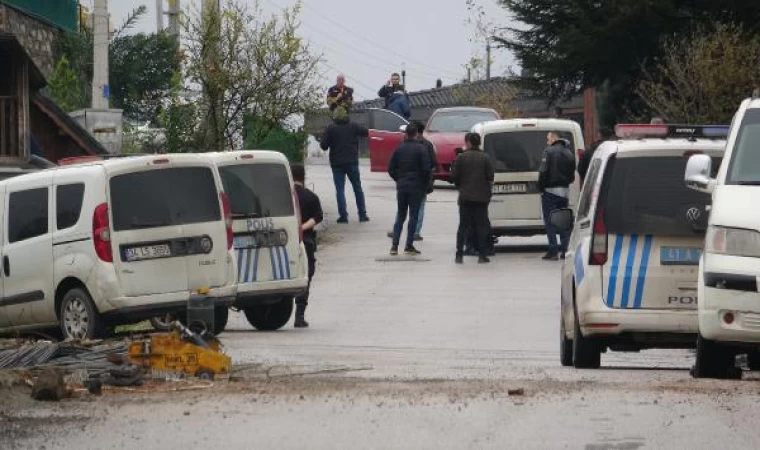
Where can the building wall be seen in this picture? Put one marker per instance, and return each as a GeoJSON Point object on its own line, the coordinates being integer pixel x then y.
{"type": "Point", "coordinates": [37, 36]}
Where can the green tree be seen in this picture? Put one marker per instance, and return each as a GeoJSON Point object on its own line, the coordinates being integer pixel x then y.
{"type": "Point", "coordinates": [291, 143]}
{"type": "Point", "coordinates": [179, 120]}
{"type": "Point", "coordinates": [65, 87]}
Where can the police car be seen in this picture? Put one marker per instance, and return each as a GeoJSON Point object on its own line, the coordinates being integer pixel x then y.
{"type": "Point", "coordinates": [729, 308]}
{"type": "Point", "coordinates": [630, 278]}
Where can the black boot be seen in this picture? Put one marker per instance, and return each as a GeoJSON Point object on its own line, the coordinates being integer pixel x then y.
{"type": "Point", "coordinates": [300, 321]}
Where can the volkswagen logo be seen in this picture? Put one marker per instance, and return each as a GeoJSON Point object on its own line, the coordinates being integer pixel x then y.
{"type": "Point", "coordinates": [693, 214]}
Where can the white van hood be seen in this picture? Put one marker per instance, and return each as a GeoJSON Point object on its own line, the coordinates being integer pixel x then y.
{"type": "Point", "coordinates": [733, 206]}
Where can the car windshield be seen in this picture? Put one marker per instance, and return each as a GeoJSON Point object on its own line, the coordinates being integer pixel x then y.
{"type": "Point", "coordinates": [164, 197]}
{"type": "Point", "coordinates": [258, 190]}
{"type": "Point", "coordinates": [648, 196]}
{"type": "Point", "coordinates": [518, 151]}
{"type": "Point", "coordinates": [459, 121]}
{"type": "Point", "coordinates": [745, 161]}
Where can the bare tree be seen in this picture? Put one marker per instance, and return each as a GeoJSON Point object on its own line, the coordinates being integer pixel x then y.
{"type": "Point", "coordinates": [704, 75]}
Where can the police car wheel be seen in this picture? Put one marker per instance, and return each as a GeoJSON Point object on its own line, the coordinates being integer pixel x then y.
{"type": "Point", "coordinates": [565, 345]}
{"type": "Point", "coordinates": [587, 354]}
{"type": "Point", "coordinates": [270, 317]}
{"type": "Point", "coordinates": [714, 361]}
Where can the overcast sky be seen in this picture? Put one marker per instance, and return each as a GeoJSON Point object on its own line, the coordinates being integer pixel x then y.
{"type": "Point", "coordinates": [369, 39]}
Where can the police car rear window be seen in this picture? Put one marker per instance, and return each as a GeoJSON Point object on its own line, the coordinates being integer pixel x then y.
{"type": "Point", "coordinates": [648, 196]}
{"type": "Point", "coordinates": [258, 190]}
{"type": "Point", "coordinates": [518, 151]}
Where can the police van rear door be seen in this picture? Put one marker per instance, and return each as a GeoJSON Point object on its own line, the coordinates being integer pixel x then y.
{"type": "Point", "coordinates": [656, 229]}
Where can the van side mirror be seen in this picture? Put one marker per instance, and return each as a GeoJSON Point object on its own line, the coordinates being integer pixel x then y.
{"type": "Point", "coordinates": [698, 171]}
{"type": "Point", "coordinates": [563, 220]}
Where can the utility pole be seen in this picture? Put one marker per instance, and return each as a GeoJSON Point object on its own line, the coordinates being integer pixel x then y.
{"type": "Point", "coordinates": [159, 16]}
{"type": "Point", "coordinates": [174, 12]}
{"type": "Point", "coordinates": [488, 59]}
{"type": "Point", "coordinates": [100, 87]}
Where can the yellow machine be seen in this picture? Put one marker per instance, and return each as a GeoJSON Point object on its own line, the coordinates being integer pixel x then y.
{"type": "Point", "coordinates": [181, 351]}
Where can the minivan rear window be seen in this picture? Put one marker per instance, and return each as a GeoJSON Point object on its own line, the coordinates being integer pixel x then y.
{"type": "Point", "coordinates": [258, 190]}
{"type": "Point", "coordinates": [164, 197]}
{"type": "Point", "coordinates": [519, 151]}
{"type": "Point", "coordinates": [648, 196]}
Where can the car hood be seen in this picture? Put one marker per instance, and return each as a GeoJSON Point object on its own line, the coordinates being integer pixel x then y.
{"type": "Point", "coordinates": [730, 207]}
{"type": "Point", "coordinates": [446, 139]}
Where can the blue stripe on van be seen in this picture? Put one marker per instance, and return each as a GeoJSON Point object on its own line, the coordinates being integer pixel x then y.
{"type": "Point", "coordinates": [632, 247]}
{"type": "Point", "coordinates": [271, 261]}
{"type": "Point", "coordinates": [612, 284]}
{"type": "Point", "coordinates": [240, 265]}
{"type": "Point", "coordinates": [287, 262]}
{"type": "Point", "coordinates": [256, 265]}
{"type": "Point", "coordinates": [279, 262]}
{"type": "Point", "coordinates": [643, 272]}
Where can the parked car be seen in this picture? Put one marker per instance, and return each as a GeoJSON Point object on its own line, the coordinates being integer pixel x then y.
{"type": "Point", "coordinates": [445, 129]}
{"type": "Point", "coordinates": [90, 246]}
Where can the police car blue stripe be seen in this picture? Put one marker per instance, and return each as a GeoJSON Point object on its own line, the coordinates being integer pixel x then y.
{"type": "Point", "coordinates": [279, 262]}
{"type": "Point", "coordinates": [275, 275]}
{"type": "Point", "coordinates": [643, 272]}
{"type": "Point", "coordinates": [287, 262]}
{"type": "Point", "coordinates": [612, 284]}
{"type": "Point", "coordinates": [240, 265]}
{"type": "Point", "coordinates": [580, 272]}
{"type": "Point", "coordinates": [246, 278]}
{"type": "Point", "coordinates": [632, 247]}
{"type": "Point", "coordinates": [256, 265]}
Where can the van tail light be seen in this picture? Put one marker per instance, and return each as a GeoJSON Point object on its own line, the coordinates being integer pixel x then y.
{"type": "Point", "coordinates": [297, 203]}
{"type": "Point", "coordinates": [101, 233]}
{"type": "Point", "coordinates": [599, 240]}
{"type": "Point", "coordinates": [227, 217]}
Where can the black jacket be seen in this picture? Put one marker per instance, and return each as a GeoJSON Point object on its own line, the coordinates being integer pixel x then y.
{"type": "Point", "coordinates": [473, 175]}
{"type": "Point", "coordinates": [433, 163]}
{"type": "Point", "coordinates": [311, 208]}
{"type": "Point", "coordinates": [410, 167]}
{"type": "Point", "coordinates": [387, 91]}
{"type": "Point", "coordinates": [342, 139]}
{"type": "Point", "coordinates": [557, 166]}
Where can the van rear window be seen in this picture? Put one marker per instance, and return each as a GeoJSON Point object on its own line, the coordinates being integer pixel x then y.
{"type": "Point", "coordinates": [519, 151]}
{"type": "Point", "coordinates": [258, 190]}
{"type": "Point", "coordinates": [164, 197]}
{"type": "Point", "coordinates": [649, 196]}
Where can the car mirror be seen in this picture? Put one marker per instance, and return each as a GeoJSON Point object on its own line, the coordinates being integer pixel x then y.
{"type": "Point", "coordinates": [562, 219]}
{"type": "Point", "coordinates": [698, 171]}
{"type": "Point", "coordinates": [402, 128]}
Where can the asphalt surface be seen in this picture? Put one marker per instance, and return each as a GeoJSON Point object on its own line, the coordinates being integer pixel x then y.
{"type": "Point", "coordinates": [414, 353]}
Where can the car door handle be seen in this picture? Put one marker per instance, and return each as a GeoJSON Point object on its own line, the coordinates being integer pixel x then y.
{"type": "Point", "coordinates": [6, 266]}
{"type": "Point", "coordinates": [375, 138]}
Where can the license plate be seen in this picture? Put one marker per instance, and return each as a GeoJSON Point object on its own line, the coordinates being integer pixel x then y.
{"type": "Point", "coordinates": [512, 188]}
{"type": "Point", "coordinates": [147, 252]}
{"type": "Point", "coordinates": [680, 256]}
{"type": "Point", "coordinates": [261, 239]}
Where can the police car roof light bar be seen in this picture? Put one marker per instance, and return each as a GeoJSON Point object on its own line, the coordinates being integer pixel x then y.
{"type": "Point", "coordinates": [641, 131]}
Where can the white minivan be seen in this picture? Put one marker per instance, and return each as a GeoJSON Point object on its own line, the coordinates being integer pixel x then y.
{"type": "Point", "coordinates": [86, 247]}
{"type": "Point", "coordinates": [268, 243]}
{"type": "Point", "coordinates": [516, 147]}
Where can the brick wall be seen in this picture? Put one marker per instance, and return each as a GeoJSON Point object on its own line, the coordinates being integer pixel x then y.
{"type": "Point", "coordinates": [36, 36]}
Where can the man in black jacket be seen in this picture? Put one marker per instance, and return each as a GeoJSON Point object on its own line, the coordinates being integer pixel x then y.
{"type": "Point", "coordinates": [410, 169]}
{"type": "Point", "coordinates": [311, 216]}
{"type": "Point", "coordinates": [387, 91]}
{"type": "Point", "coordinates": [342, 139]}
{"type": "Point", "coordinates": [556, 175]}
{"type": "Point", "coordinates": [473, 175]}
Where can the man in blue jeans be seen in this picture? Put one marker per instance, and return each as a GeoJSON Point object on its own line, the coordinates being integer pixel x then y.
{"type": "Point", "coordinates": [556, 175]}
{"type": "Point", "coordinates": [342, 139]}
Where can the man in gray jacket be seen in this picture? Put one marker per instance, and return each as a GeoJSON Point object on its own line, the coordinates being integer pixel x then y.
{"type": "Point", "coordinates": [473, 175]}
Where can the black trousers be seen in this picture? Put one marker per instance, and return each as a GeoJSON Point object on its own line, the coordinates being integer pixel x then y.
{"type": "Point", "coordinates": [409, 202]}
{"type": "Point", "coordinates": [473, 218]}
{"type": "Point", "coordinates": [311, 250]}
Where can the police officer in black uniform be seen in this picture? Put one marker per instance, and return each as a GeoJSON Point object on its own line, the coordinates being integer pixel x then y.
{"type": "Point", "coordinates": [311, 216]}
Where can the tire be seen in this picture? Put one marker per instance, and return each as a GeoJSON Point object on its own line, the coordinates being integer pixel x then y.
{"type": "Point", "coordinates": [79, 318]}
{"type": "Point", "coordinates": [753, 360]}
{"type": "Point", "coordinates": [586, 351]}
{"type": "Point", "coordinates": [221, 317]}
{"type": "Point", "coordinates": [270, 317]}
{"type": "Point", "coordinates": [714, 361]}
{"type": "Point", "coordinates": [565, 345]}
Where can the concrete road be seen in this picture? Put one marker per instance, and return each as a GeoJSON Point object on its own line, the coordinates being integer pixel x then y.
{"type": "Point", "coordinates": [414, 353]}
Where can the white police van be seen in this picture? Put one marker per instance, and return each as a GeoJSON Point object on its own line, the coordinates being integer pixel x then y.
{"type": "Point", "coordinates": [729, 301]}
{"type": "Point", "coordinates": [630, 278]}
{"type": "Point", "coordinates": [90, 246]}
{"type": "Point", "coordinates": [268, 242]}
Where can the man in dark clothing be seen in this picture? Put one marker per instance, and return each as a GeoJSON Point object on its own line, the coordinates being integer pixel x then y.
{"type": "Point", "coordinates": [311, 216]}
{"type": "Point", "coordinates": [605, 134]}
{"type": "Point", "coordinates": [410, 169]}
{"type": "Point", "coordinates": [473, 175]}
{"type": "Point", "coordinates": [340, 97]}
{"type": "Point", "coordinates": [394, 85]}
{"type": "Point", "coordinates": [342, 139]}
{"type": "Point", "coordinates": [556, 175]}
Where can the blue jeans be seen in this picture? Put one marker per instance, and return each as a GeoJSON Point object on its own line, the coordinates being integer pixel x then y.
{"type": "Point", "coordinates": [339, 177]}
{"type": "Point", "coordinates": [549, 203]}
{"type": "Point", "coordinates": [421, 217]}
{"type": "Point", "coordinates": [408, 202]}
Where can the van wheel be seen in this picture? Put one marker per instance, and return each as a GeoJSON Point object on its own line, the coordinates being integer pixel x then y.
{"type": "Point", "coordinates": [270, 317]}
{"type": "Point", "coordinates": [80, 319]}
{"type": "Point", "coordinates": [565, 345]}
{"type": "Point", "coordinates": [753, 360]}
{"type": "Point", "coordinates": [221, 317]}
{"type": "Point", "coordinates": [586, 351]}
{"type": "Point", "coordinates": [715, 361]}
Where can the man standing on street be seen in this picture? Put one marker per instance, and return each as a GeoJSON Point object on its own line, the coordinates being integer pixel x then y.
{"type": "Point", "coordinates": [473, 175]}
{"type": "Point", "coordinates": [410, 169]}
{"type": "Point", "coordinates": [392, 87]}
{"type": "Point", "coordinates": [342, 139]}
{"type": "Point", "coordinates": [340, 97]}
{"type": "Point", "coordinates": [311, 216]}
{"type": "Point", "coordinates": [556, 175]}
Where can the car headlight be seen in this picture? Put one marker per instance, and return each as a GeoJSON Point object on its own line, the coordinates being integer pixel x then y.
{"type": "Point", "coordinates": [733, 241]}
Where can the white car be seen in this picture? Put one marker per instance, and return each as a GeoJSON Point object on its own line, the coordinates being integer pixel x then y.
{"type": "Point", "coordinates": [90, 246]}
{"type": "Point", "coordinates": [630, 278]}
{"type": "Point", "coordinates": [516, 147]}
{"type": "Point", "coordinates": [271, 258]}
{"type": "Point", "coordinates": [729, 302]}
